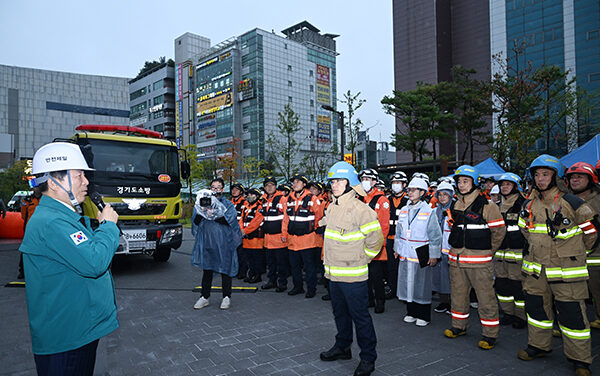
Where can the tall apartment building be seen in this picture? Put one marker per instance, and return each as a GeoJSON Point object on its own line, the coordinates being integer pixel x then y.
{"type": "Point", "coordinates": [235, 89]}
{"type": "Point", "coordinates": [39, 105]}
{"type": "Point", "coordinates": [152, 100]}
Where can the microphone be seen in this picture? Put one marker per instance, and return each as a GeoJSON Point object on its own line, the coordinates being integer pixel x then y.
{"type": "Point", "coordinates": [97, 200]}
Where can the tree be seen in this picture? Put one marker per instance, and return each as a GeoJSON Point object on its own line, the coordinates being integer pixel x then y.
{"type": "Point", "coordinates": [284, 146]}
{"type": "Point", "coordinates": [253, 171]}
{"type": "Point", "coordinates": [352, 127]}
{"type": "Point", "coordinates": [13, 179]}
{"type": "Point", "coordinates": [149, 65]}
{"type": "Point", "coordinates": [422, 116]}
{"type": "Point", "coordinates": [227, 165]}
{"type": "Point", "coordinates": [472, 104]}
{"type": "Point", "coordinates": [316, 164]}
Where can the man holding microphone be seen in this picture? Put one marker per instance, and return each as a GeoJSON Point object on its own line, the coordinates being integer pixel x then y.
{"type": "Point", "coordinates": [70, 292]}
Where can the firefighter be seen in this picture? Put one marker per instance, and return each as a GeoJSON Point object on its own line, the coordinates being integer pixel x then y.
{"type": "Point", "coordinates": [477, 231]}
{"type": "Point", "coordinates": [28, 205]}
{"type": "Point", "coordinates": [302, 214]}
{"type": "Point", "coordinates": [397, 200]}
{"type": "Point", "coordinates": [316, 189]}
{"type": "Point", "coordinates": [252, 235]}
{"type": "Point", "coordinates": [376, 199]}
{"type": "Point", "coordinates": [583, 182]}
{"type": "Point", "coordinates": [285, 188]}
{"type": "Point", "coordinates": [559, 227]}
{"type": "Point", "coordinates": [353, 237]}
{"type": "Point", "coordinates": [276, 248]}
{"type": "Point", "coordinates": [238, 201]}
{"type": "Point", "coordinates": [509, 258]}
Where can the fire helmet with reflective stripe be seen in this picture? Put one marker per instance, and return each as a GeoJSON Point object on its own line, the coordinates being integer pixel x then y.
{"type": "Point", "coordinates": [399, 176]}
{"type": "Point", "coordinates": [369, 173]}
{"type": "Point", "coordinates": [547, 161]}
{"type": "Point", "coordinates": [269, 179]}
{"type": "Point", "coordinates": [469, 171]}
{"type": "Point", "coordinates": [583, 168]}
{"type": "Point", "coordinates": [343, 170]}
{"type": "Point", "coordinates": [421, 175]}
{"type": "Point", "coordinates": [511, 177]}
{"type": "Point", "coordinates": [300, 177]}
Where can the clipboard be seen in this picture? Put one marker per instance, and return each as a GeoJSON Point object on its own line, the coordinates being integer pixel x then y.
{"type": "Point", "coordinates": [423, 255]}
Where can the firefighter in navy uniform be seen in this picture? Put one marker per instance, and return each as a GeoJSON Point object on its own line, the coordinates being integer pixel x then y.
{"type": "Point", "coordinates": [583, 182]}
{"type": "Point", "coordinates": [508, 259]}
{"type": "Point", "coordinates": [253, 239]}
{"type": "Point", "coordinates": [397, 200]}
{"type": "Point", "coordinates": [301, 217]}
{"type": "Point", "coordinates": [376, 199]}
{"type": "Point", "coordinates": [238, 201]}
{"type": "Point", "coordinates": [276, 249]}
{"type": "Point", "coordinates": [477, 231]}
{"type": "Point", "coordinates": [559, 227]}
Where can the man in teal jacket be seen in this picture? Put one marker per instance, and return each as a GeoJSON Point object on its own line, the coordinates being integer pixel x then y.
{"type": "Point", "coordinates": [70, 292]}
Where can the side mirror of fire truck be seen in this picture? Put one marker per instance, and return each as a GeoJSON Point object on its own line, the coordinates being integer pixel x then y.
{"type": "Point", "coordinates": [185, 170]}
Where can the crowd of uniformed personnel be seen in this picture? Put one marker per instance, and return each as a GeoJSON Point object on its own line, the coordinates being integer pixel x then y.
{"type": "Point", "coordinates": [526, 248]}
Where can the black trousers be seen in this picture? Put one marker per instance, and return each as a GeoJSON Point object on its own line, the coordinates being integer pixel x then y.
{"type": "Point", "coordinates": [256, 260]}
{"type": "Point", "coordinates": [306, 256]}
{"type": "Point", "coordinates": [278, 266]}
{"type": "Point", "coordinates": [419, 311]}
{"type": "Point", "coordinates": [392, 266]}
{"type": "Point", "coordinates": [376, 286]}
{"type": "Point", "coordinates": [243, 259]}
{"type": "Point", "coordinates": [207, 277]}
{"type": "Point", "coordinates": [77, 362]}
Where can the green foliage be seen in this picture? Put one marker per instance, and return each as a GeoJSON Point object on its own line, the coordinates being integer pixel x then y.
{"type": "Point", "coordinates": [316, 164]}
{"type": "Point", "coordinates": [283, 145]}
{"type": "Point", "coordinates": [149, 65]}
{"type": "Point", "coordinates": [12, 180]}
{"type": "Point", "coordinates": [253, 171]}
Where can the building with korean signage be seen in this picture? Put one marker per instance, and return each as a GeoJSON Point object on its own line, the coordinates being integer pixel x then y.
{"type": "Point", "coordinates": [241, 84]}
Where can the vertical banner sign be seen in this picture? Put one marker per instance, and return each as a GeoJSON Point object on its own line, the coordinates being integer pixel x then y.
{"type": "Point", "coordinates": [323, 97]}
{"type": "Point", "coordinates": [179, 108]}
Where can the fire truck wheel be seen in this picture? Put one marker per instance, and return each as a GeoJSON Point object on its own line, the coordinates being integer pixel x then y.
{"type": "Point", "coordinates": [162, 254]}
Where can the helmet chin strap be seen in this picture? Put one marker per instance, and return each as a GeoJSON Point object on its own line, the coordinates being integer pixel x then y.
{"type": "Point", "coordinates": [69, 192]}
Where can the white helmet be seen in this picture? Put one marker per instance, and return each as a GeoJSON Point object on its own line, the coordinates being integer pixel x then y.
{"type": "Point", "coordinates": [421, 175]}
{"type": "Point", "coordinates": [418, 183]}
{"type": "Point", "coordinates": [495, 190]}
{"type": "Point", "coordinates": [58, 156]}
{"type": "Point", "coordinates": [445, 186]}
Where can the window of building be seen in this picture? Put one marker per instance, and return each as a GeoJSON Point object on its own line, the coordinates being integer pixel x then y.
{"type": "Point", "coordinates": [148, 88]}
{"type": "Point", "coordinates": [594, 34]}
{"type": "Point", "coordinates": [312, 117]}
{"type": "Point", "coordinates": [289, 99]}
{"type": "Point", "coordinates": [138, 107]}
{"type": "Point", "coordinates": [312, 103]}
{"type": "Point", "coordinates": [158, 100]}
{"type": "Point", "coordinates": [157, 85]}
{"type": "Point", "coordinates": [311, 73]}
{"type": "Point", "coordinates": [158, 114]}
{"type": "Point", "coordinates": [138, 93]}
{"type": "Point", "coordinates": [311, 88]}
{"type": "Point", "coordinates": [289, 83]}
{"type": "Point", "coordinates": [285, 46]}
{"type": "Point", "coordinates": [594, 76]}
{"type": "Point", "coordinates": [289, 67]}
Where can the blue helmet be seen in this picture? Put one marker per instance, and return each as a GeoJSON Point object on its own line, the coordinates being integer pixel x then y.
{"type": "Point", "coordinates": [467, 170]}
{"type": "Point", "coordinates": [509, 176]}
{"type": "Point", "coordinates": [547, 161]}
{"type": "Point", "coordinates": [343, 170]}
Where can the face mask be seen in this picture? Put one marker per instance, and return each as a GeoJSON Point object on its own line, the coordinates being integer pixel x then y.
{"type": "Point", "coordinates": [396, 188]}
{"type": "Point", "coordinates": [366, 185]}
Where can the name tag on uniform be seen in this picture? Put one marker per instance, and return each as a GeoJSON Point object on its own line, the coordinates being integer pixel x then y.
{"type": "Point", "coordinates": [78, 237]}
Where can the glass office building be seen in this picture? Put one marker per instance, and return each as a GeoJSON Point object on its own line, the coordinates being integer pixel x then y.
{"type": "Point", "coordinates": [240, 85]}
{"type": "Point", "coordinates": [565, 33]}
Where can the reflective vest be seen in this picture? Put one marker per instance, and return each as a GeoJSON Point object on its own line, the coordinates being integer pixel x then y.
{"type": "Point", "coordinates": [445, 232]}
{"type": "Point", "coordinates": [302, 217]}
{"type": "Point", "coordinates": [512, 246]}
{"type": "Point", "coordinates": [238, 203]}
{"type": "Point", "coordinates": [248, 214]}
{"type": "Point", "coordinates": [413, 230]}
{"type": "Point", "coordinates": [272, 210]}
{"type": "Point", "coordinates": [396, 203]}
{"type": "Point", "coordinates": [470, 230]}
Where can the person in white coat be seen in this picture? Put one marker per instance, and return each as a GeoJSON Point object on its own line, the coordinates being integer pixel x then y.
{"type": "Point", "coordinates": [417, 233]}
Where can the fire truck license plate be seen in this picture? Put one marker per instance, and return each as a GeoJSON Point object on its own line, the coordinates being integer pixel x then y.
{"type": "Point", "coordinates": [135, 235]}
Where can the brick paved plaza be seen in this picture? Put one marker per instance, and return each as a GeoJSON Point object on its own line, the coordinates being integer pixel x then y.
{"type": "Point", "coordinates": [264, 333]}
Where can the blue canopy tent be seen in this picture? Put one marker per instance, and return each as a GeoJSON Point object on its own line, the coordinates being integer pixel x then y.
{"type": "Point", "coordinates": [588, 152]}
{"type": "Point", "coordinates": [489, 168]}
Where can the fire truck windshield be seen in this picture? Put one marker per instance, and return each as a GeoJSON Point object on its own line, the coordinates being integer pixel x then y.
{"type": "Point", "coordinates": [131, 159]}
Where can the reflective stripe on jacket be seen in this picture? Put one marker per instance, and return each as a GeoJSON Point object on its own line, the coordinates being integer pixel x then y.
{"type": "Point", "coordinates": [353, 237]}
{"type": "Point", "coordinates": [301, 216]}
{"type": "Point", "coordinates": [557, 249]}
{"type": "Point", "coordinates": [378, 202]}
{"type": "Point", "coordinates": [272, 211]}
{"type": "Point", "coordinates": [511, 249]}
{"type": "Point", "coordinates": [251, 225]}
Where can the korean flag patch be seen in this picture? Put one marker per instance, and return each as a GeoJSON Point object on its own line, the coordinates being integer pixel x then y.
{"type": "Point", "coordinates": [78, 237]}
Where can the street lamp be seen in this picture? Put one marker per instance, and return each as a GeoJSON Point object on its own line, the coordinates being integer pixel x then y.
{"type": "Point", "coordinates": [340, 125]}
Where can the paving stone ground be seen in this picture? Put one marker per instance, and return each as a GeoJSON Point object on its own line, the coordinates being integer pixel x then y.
{"type": "Point", "coordinates": [264, 333]}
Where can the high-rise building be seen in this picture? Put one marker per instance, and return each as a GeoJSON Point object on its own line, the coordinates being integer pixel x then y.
{"type": "Point", "coordinates": [152, 100]}
{"type": "Point", "coordinates": [565, 33]}
{"type": "Point", "coordinates": [37, 106]}
{"type": "Point", "coordinates": [430, 37]}
{"type": "Point", "coordinates": [235, 90]}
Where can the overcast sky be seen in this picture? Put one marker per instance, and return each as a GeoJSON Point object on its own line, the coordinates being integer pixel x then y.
{"type": "Point", "coordinates": [116, 37]}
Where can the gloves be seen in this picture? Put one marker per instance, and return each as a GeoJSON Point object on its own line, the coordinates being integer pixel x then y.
{"type": "Point", "coordinates": [197, 219]}
{"type": "Point", "coordinates": [222, 221]}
